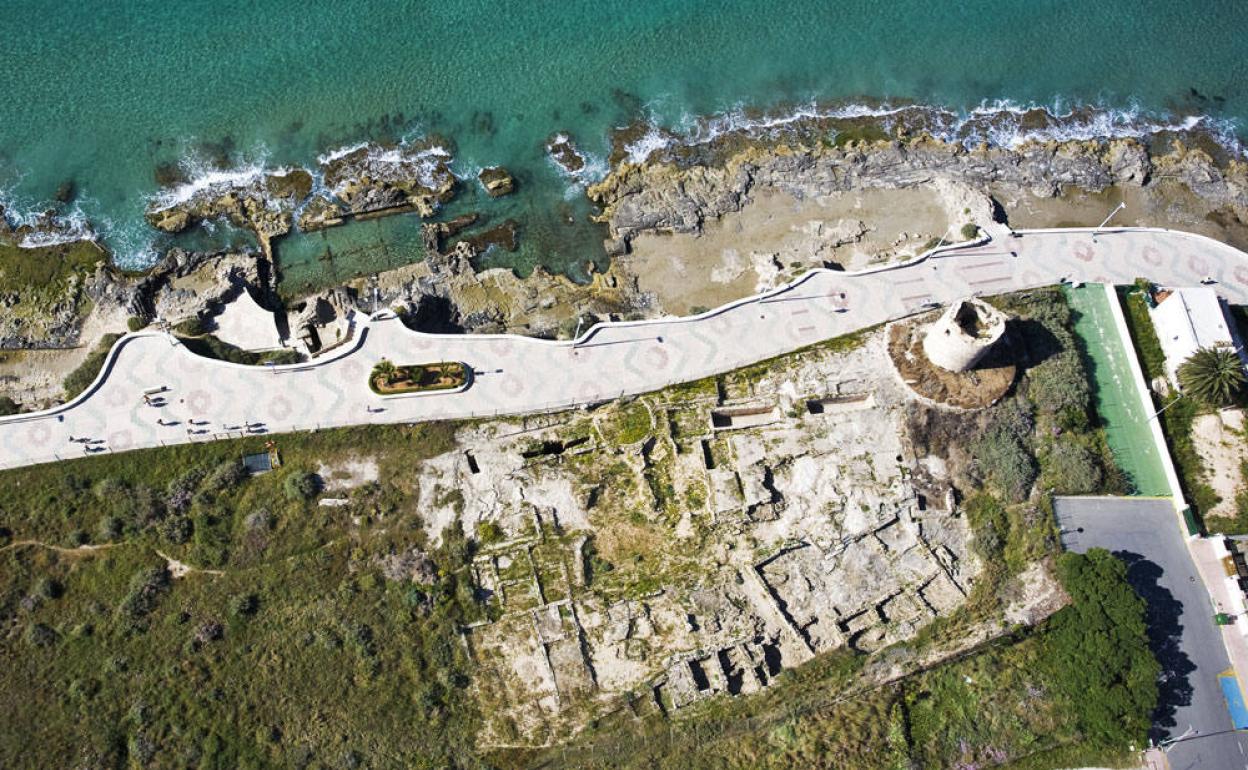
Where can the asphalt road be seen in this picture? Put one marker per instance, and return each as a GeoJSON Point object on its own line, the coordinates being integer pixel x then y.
{"type": "Point", "coordinates": [1145, 534]}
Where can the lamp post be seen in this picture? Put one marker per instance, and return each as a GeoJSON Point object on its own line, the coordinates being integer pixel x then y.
{"type": "Point", "coordinates": [1105, 221]}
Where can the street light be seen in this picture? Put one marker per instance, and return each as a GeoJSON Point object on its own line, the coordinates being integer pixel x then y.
{"type": "Point", "coordinates": [1095, 230]}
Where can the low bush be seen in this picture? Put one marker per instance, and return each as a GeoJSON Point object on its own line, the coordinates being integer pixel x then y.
{"type": "Point", "coordinates": [191, 327]}
{"type": "Point", "coordinates": [1070, 468]}
{"type": "Point", "coordinates": [301, 485]}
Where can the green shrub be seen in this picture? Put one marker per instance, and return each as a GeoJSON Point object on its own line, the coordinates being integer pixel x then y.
{"type": "Point", "coordinates": [489, 532]}
{"type": "Point", "coordinates": [301, 485]}
{"type": "Point", "coordinates": [1059, 386]}
{"type": "Point", "coordinates": [146, 588]}
{"type": "Point", "coordinates": [244, 605]}
{"type": "Point", "coordinates": [1070, 468]}
{"type": "Point", "coordinates": [1152, 357]}
{"type": "Point", "coordinates": [48, 588]}
{"type": "Point", "coordinates": [109, 529]}
{"type": "Point", "coordinates": [191, 327]}
{"type": "Point", "coordinates": [9, 406]}
{"type": "Point", "coordinates": [227, 475]}
{"type": "Point", "coordinates": [41, 635]}
{"type": "Point", "coordinates": [1098, 657]}
{"type": "Point", "coordinates": [969, 231]}
{"type": "Point", "coordinates": [134, 323]}
{"type": "Point", "coordinates": [1004, 458]}
{"type": "Point", "coordinates": [176, 530]}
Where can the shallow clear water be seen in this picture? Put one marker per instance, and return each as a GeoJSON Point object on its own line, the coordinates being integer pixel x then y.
{"type": "Point", "coordinates": [102, 93]}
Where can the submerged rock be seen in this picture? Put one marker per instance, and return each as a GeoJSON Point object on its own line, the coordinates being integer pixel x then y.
{"type": "Point", "coordinates": [497, 181]}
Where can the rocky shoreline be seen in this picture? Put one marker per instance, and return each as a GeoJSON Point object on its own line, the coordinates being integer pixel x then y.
{"type": "Point", "coordinates": [818, 195]}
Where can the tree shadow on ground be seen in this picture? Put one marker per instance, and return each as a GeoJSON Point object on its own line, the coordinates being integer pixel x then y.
{"type": "Point", "coordinates": [1174, 687]}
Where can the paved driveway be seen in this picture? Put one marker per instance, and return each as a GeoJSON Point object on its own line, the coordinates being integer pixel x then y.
{"type": "Point", "coordinates": [1146, 535]}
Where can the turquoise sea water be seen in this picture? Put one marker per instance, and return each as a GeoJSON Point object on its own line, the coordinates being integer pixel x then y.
{"type": "Point", "coordinates": [101, 93]}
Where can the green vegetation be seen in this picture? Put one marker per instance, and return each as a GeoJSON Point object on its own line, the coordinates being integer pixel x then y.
{"type": "Point", "coordinates": [308, 649]}
{"type": "Point", "coordinates": [628, 424]}
{"type": "Point", "coordinates": [1147, 346]}
{"type": "Point", "coordinates": [388, 379]}
{"type": "Point", "coordinates": [969, 231]}
{"type": "Point", "coordinates": [81, 378]}
{"type": "Point", "coordinates": [211, 346]}
{"type": "Point", "coordinates": [1213, 376]}
{"type": "Point", "coordinates": [9, 406]}
{"type": "Point", "coordinates": [1176, 413]}
{"type": "Point", "coordinates": [1048, 431]}
{"type": "Point", "coordinates": [191, 327]}
{"type": "Point", "coordinates": [43, 274]}
{"type": "Point", "coordinates": [304, 651]}
{"type": "Point", "coordinates": [134, 323]}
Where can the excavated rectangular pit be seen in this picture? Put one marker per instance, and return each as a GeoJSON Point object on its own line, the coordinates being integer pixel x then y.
{"type": "Point", "coordinates": [835, 404]}
{"type": "Point", "coordinates": [732, 418]}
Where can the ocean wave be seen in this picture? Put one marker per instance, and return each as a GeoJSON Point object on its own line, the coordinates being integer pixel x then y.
{"type": "Point", "coordinates": [1000, 123]}
{"type": "Point", "coordinates": [203, 178]}
{"type": "Point", "coordinates": [408, 158]}
{"type": "Point", "coordinates": [51, 227]}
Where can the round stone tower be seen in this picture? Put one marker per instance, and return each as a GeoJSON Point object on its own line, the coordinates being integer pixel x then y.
{"type": "Point", "coordinates": [963, 334]}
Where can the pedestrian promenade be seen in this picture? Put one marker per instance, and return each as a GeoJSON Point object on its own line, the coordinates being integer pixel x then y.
{"type": "Point", "coordinates": [204, 399]}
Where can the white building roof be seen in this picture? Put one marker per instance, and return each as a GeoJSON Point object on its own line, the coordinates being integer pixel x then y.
{"type": "Point", "coordinates": [1188, 320]}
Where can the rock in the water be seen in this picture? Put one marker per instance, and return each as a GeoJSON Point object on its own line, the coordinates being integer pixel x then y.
{"type": "Point", "coordinates": [497, 181]}
{"type": "Point", "coordinates": [434, 233]}
{"type": "Point", "coordinates": [374, 180]}
{"type": "Point", "coordinates": [563, 151]}
{"type": "Point", "coordinates": [319, 213]}
{"type": "Point", "coordinates": [295, 184]}
{"type": "Point", "coordinates": [169, 220]}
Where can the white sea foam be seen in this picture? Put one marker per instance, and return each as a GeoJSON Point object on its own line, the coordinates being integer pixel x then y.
{"type": "Point", "coordinates": [997, 122]}
{"type": "Point", "coordinates": [204, 179]}
{"type": "Point", "coordinates": [325, 159]}
{"type": "Point", "coordinates": [55, 229]}
{"type": "Point", "coordinates": [651, 142]}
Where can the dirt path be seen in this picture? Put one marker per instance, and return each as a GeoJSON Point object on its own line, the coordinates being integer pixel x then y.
{"type": "Point", "coordinates": [76, 551]}
{"type": "Point", "coordinates": [181, 569]}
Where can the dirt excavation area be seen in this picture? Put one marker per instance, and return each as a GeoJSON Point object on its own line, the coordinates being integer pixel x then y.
{"type": "Point", "coordinates": [698, 541]}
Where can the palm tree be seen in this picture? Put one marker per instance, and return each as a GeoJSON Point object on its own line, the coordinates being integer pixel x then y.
{"type": "Point", "coordinates": [386, 370]}
{"type": "Point", "coordinates": [1212, 375]}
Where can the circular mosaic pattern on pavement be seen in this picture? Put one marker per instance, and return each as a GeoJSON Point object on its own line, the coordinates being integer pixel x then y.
{"type": "Point", "coordinates": [38, 434]}
{"type": "Point", "coordinates": [199, 401]}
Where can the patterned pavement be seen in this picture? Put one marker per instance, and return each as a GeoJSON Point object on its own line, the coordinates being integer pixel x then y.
{"type": "Point", "coordinates": [206, 399]}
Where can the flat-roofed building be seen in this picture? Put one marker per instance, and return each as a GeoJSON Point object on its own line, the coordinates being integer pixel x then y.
{"type": "Point", "coordinates": [1189, 319]}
